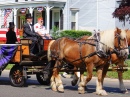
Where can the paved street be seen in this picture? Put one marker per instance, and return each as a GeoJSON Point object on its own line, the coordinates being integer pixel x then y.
{"type": "Point", "coordinates": [34, 89]}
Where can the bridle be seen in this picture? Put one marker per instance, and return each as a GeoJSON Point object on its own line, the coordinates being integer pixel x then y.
{"type": "Point", "coordinates": [119, 46]}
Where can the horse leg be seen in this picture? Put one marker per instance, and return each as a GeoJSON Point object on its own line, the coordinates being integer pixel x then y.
{"type": "Point", "coordinates": [75, 77]}
{"type": "Point", "coordinates": [58, 81]}
{"type": "Point", "coordinates": [99, 89]}
{"type": "Point", "coordinates": [59, 84]}
{"type": "Point", "coordinates": [53, 84]}
{"type": "Point", "coordinates": [104, 72]}
{"type": "Point", "coordinates": [121, 83]}
{"type": "Point", "coordinates": [82, 84]}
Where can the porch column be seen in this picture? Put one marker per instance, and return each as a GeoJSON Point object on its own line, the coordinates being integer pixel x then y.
{"type": "Point", "coordinates": [31, 10]}
{"type": "Point", "coordinates": [0, 17]}
{"type": "Point", "coordinates": [76, 26]}
{"type": "Point", "coordinates": [48, 17]}
{"type": "Point", "coordinates": [61, 14]}
{"type": "Point", "coordinates": [15, 17]}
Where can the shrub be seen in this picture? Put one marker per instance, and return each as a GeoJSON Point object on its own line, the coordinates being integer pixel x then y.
{"type": "Point", "coordinates": [55, 32]}
{"type": "Point", "coordinates": [70, 33]}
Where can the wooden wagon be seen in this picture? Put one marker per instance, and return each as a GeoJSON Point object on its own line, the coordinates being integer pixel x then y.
{"type": "Point", "coordinates": [26, 64]}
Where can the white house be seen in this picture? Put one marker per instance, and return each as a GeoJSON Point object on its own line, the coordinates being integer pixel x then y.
{"type": "Point", "coordinates": [65, 14]}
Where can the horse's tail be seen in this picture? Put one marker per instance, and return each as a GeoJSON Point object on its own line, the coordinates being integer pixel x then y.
{"type": "Point", "coordinates": [48, 51]}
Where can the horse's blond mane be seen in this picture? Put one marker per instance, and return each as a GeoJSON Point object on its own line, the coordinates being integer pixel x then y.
{"type": "Point", "coordinates": [107, 37]}
{"type": "Point", "coordinates": [123, 34]}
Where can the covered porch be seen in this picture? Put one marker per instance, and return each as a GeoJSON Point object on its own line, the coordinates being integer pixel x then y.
{"type": "Point", "coordinates": [51, 11]}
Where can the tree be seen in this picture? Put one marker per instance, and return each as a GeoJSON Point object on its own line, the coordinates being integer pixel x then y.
{"type": "Point", "coordinates": [123, 11]}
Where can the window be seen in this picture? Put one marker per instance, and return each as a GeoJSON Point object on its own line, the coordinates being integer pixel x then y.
{"type": "Point", "coordinates": [56, 19]}
{"type": "Point", "coordinates": [73, 20]}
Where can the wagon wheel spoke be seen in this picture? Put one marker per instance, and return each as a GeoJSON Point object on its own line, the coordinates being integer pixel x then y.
{"type": "Point", "coordinates": [17, 76]}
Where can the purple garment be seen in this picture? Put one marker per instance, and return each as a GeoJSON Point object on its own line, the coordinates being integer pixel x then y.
{"type": "Point", "coordinates": [6, 54]}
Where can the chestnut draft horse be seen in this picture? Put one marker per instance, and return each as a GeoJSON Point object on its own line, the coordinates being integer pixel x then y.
{"type": "Point", "coordinates": [86, 55]}
{"type": "Point", "coordinates": [118, 60]}
{"type": "Point", "coordinates": [120, 73]}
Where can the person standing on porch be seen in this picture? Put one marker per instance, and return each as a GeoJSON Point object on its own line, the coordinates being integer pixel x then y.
{"type": "Point", "coordinates": [40, 29]}
{"type": "Point", "coordinates": [28, 32]}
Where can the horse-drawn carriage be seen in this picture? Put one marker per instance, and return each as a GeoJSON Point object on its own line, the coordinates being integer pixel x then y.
{"type": "Point", "coordinates": [80, 54]}
{"type": "Point", "coordinates": [26, 64]}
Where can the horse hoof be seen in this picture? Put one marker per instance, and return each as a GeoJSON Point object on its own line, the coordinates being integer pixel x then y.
{"type": "Point", "coordinates": [125, 92]}
{"type": "Point", "coordinates": [53, 89]}
{"type": "Point", "coordinates": [102, 93]}
{"type": "Point", "coordinates": [73, 83]}
{"type": "Point", "coordinates": [60, 89]}
{"type": "Point", "coordinates": [81, 90]}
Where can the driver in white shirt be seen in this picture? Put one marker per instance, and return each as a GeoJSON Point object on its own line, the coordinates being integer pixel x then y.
{"type": "Point", "coordinates": [40, 29]}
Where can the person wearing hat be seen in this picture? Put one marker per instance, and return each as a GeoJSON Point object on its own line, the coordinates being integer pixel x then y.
{"type": "Point", "coordinates": [11, 35]}
{"type": "Point", "coordinates": [40, 29]}
{"type": "Point", "coordinates": [28, 32]}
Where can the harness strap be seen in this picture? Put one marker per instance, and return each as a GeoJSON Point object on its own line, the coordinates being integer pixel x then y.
{"type": "Point", "coordinates": [80, 48]}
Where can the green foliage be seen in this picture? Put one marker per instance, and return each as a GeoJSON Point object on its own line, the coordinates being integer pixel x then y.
{"type": "Point", "coordinates": [69, 33]}
{"type": "Point", "coordinates": [21, 37]}
{"type": "Point", "coordinates": [55, 32]}
{"type": "Point", "coordinates": [74, 33]}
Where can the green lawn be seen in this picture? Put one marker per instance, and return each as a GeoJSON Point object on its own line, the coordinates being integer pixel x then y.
{"type": "Point", "coordinates": [113, 74]}
{"type": "Point", "coordinates": [9, 66]}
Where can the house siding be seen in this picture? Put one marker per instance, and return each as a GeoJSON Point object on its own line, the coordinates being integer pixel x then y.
{"type": "Point", "coordinates": [90, 15]}
{"type": "Point", "coordinates": [106, 20]}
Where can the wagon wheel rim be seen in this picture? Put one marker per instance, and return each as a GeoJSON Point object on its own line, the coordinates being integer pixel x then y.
{"type": "Point", "coordinates": [17, 76]}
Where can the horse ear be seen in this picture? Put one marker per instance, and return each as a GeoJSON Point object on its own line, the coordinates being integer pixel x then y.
{"type": "Point", "coordinates": [126, 30]}
{"type": "Point", "coordinates": [118, 30]}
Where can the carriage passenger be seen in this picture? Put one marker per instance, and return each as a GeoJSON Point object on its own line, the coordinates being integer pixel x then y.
{"type": "Point", "coordinates": [11, 35]}
{"type": "Point", "coordinates": [28, 32]}
{"type": "Point", "coordinates": [40, 29]}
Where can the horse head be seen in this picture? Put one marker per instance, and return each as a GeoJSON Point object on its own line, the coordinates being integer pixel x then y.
{"type": "Point", "coordinates": [120, 43]}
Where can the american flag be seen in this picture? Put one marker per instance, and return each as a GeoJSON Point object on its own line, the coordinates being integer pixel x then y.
{"type": "Point", "coordinates": [3, 34]}
{"type": "Point", "coordinates": [6, 14]}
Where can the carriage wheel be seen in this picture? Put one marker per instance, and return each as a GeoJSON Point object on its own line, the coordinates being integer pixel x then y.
{"type": "Point", "coordinates": [16, 76]}
{"type": "Point", "coordinates": [43, 78]}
